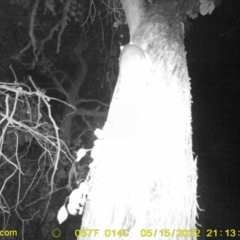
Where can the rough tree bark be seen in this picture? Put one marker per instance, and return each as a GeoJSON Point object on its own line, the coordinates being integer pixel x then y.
{"type": "Point", "coordinates": [143, 175]}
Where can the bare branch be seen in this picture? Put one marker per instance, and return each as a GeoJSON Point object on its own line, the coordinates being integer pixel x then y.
{"type": "Point", "coordinates": [89, 113]}
{"type": "Point", "coordinates": [63, 22]}
{"type": "Point", "coordinates": [31, 27]}
{"type": "Point", "coordinates": [23, 50]}
{"type": "Point", "coordinates": [49, 37]}
{"type": "Point", "coordinates": [87, 123]}
{"type": "Point", "coordinates": [91, 100]}
{"type": "Point", "coordinates": [59, 86]}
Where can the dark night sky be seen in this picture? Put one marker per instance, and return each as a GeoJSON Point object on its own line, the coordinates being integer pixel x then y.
{"type": "Point", "coordinates": [213, 54]}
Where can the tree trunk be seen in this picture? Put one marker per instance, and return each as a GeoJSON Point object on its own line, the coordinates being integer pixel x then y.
{"type": "Point", "coordinates": [144, 176]}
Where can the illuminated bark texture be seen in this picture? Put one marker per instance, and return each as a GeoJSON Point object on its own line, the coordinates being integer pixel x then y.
{"type": "Point", "coordinates": [143, 175]}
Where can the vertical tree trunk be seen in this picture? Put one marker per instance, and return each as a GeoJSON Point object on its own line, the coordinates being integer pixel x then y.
{"type": "Point", "coordinates": [144, 176]}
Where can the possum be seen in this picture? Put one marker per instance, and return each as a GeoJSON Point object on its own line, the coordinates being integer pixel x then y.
{"type": "Point", "coordinates": [129, 94]}
{"type": "Point", "coordinates": [130, 54]}
{"type": "Point", "coordinates": [134, 72]}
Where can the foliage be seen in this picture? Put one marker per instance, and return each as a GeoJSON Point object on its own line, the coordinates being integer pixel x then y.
{"type": "Point", "coordinates": [53, 39]}
{"type": "Point", "coordinates": [30, 154]}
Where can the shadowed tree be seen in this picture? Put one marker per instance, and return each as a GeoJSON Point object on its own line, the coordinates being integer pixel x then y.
{"type": "Point", "coordinates": [143, 175]}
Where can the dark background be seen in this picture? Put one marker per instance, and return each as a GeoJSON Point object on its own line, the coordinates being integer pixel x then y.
{"type": "Point", "coordinates": [213, 55]}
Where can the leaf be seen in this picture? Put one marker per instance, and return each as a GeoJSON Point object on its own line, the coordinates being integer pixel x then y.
{"type": "Point", "coordinates": [77, 199]}
{"type": "Point", "coordinates": [80, 154]}
{"type": "Point", "coordinates": [62, 214]}
{"type": "Point", "coordinates": [204, 8]}
{"type": "Point", "coordinates": [116, 24]}
{"type": "Point", "coordinates": [74, 201]}
{"type": "Point", "coordinates": [73, 209]}
{"type": "Point", "coordinates": [75, 196]}
{"type": "Point", "coordinates": [211, 8]}
{"type": "Point", "coordinates": [99, 133]}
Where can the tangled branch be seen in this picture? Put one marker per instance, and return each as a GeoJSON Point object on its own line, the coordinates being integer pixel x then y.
{"type": "Point", "coordinates": [22, 123]}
